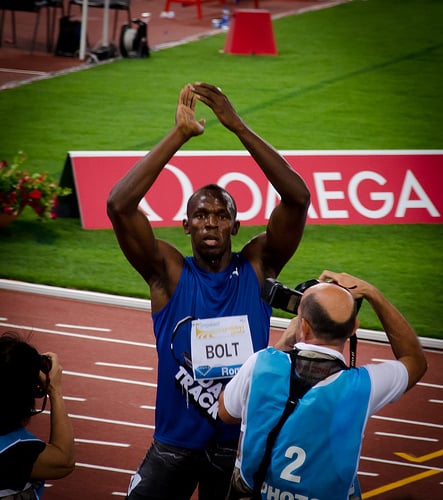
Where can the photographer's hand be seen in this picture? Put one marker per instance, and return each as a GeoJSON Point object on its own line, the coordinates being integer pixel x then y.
{"type": "Point", "coordinates": [357, 287]}
{"type": "Point", "coordinates": [55, 373]}
{"type": "Point", "coordinates": [404, 342]}
{"type": "Point", "coordinates": [57, 459]}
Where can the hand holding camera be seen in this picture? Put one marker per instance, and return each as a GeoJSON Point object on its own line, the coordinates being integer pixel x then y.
{"type": "Point", "coordinates": [356, 286]}
{"type": "Point", "coordinates": [50, 373]}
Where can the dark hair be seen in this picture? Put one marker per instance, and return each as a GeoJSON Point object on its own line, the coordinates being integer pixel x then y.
{"type": "Point", "coordinates": [323, 325]}
{"type": "Point", "coordinates": [220, 192]}
{"type": "Point", "coordinates": [19, 375]}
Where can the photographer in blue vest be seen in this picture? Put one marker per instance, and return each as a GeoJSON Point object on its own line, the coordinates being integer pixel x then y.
{"type": "Point", "coordinates": [214, 290]}
{"type": "Point", "coordinates": [26, 378]}
{"type": "Point", "coordinates": [302, 411]}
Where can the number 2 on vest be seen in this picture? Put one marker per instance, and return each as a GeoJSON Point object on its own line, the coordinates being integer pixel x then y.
{"type": "Point", "coordinates": [300, 457]}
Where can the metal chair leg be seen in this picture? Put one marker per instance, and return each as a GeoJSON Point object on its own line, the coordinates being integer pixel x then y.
{"type": "Point", "coordinates": [14, 34]}
{"type": "Point", "coordinates": [36, 25]}
{"type": "Point", "coordinates": [115, 24]}
{"type": "Point", "coordinates": [2, 20]}
{"type": "Point", "coordinates": [48, 28]}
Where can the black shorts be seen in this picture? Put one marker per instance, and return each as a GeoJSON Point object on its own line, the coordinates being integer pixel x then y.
{"type": "Point", "coordinates": [169, 472]}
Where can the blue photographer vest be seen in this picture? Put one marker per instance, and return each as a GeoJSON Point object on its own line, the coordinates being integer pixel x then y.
{"type": "Point", "coordinates": [23, 461]}
{"type": "Point", "coordinates": [186, 410]}
{"type": "Point", "coordinates": [320, 462]}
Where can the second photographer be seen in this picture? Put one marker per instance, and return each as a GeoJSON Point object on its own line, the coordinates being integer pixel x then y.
{"type": "Point", "coordinates": [27, 378]}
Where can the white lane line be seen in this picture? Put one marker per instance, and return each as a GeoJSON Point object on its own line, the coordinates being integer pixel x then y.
{"type": "Point", "coordinates": [110, 379]}
{"type": "Point", "coordinates": [147, 407]}
{"type": "Point", "coordinates": [78, 335]}
{"type": "Point", "coordinates": [404, 464]}
{"type": "Point", "coordinates": [435, 386]}
{"type": "Point", "coordinates": [438, 401]}
{"type": "Point", "coordinates": [103, 467]}
{"type": "Point", "coordinates": [403, 421]}
{"type": "Point", "coordinates": [72, 398]}
{"type": "Point", "coordinates": [102, 443]}
{"type": "Point", "coordinates": [117, 365]}
{"type": "Point", "coordinates": [80, 327]}
{"type": "Point", "coordinates": [403, 436]}
{"type": "Point", "coordinates": [371, 474]}
{"type": "Point", "coordinates": [107, 420]}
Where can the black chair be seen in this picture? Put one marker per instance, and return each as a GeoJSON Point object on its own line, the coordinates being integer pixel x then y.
{"type": "Point", "coordinates": [116, 5]}
{"type": "Point", "coordinates": [35, 6]}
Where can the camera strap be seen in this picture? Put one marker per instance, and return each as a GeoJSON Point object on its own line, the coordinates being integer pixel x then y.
{"type": "Point", "coordinates": [302, 378]}
{"type": "Point", "coordinates": [353, 350]}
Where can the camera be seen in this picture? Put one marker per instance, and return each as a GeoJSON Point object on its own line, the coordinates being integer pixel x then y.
{"type": "Point", "coordinates": [287, 299]}
{"type": "Point", "coordinates": [40, 389]}
{"type": "Point", "coordinates": [45, 364]}
{"type": "Point", "coordinates": [282, 297]}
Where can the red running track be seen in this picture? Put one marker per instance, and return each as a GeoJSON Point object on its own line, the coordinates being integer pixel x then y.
{"type": "Point", "coordinates": [109, 360]}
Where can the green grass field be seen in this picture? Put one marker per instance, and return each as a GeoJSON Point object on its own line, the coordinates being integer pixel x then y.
{"type": "Point", "coordinates": [362, 75]}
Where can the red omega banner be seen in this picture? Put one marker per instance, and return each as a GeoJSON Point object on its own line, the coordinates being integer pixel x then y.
{"type": "Point", "coordinates": [347, 187]}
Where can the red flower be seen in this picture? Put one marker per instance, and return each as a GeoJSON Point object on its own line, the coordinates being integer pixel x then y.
{"type": "Point", "coordinates": [35, 194]}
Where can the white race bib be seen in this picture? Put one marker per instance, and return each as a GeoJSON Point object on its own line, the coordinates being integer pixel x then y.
{"type": "Point", "coordinates": [220, 346]}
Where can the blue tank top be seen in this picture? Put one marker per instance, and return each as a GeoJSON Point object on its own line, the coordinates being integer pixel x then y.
{"type": "Point", "coordinates": [186, 410]}
{"type": "Point", "coordinates": [332, 416]}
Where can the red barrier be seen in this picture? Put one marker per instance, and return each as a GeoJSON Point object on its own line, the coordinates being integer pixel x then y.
{"type": "Point", "coordinates": [251, 32]}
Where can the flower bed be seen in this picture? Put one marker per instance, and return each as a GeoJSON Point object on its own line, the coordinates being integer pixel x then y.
{"type": "Point", "coordinates": [19, 188]}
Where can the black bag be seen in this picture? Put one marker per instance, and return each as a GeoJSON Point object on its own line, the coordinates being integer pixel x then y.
{"type": "Point", "coordinates": [68, 43]}
{"type": "Point", "coordinates": [134, 41]}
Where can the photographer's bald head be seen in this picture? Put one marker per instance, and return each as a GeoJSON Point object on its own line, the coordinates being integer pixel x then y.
{"type": "Point", "coordinates": [327, 315]}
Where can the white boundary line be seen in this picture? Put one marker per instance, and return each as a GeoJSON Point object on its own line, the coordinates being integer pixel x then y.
{"type": "Point", "coordinates": [66, 293]}
{"type": "Point", "coordinates": [23, 71]}
{"type": "Point", "coordinates": [144, 304]}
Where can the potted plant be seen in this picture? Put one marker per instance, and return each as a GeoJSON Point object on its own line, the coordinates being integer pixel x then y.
{"type": "Point", "coordinates": [19, 188]}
